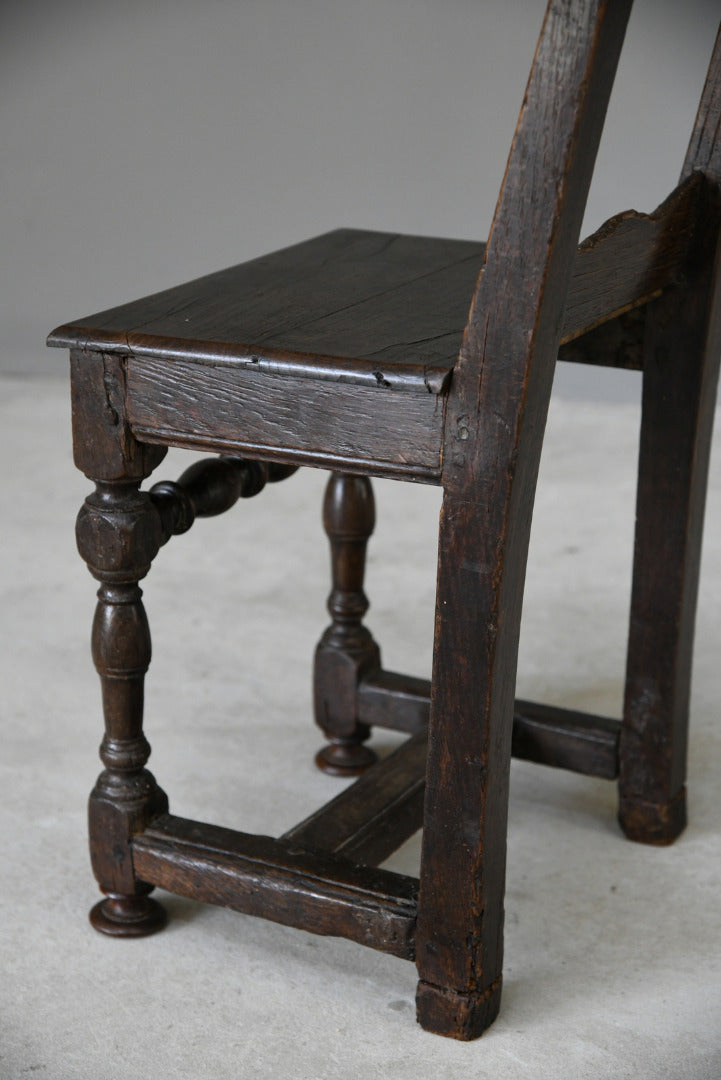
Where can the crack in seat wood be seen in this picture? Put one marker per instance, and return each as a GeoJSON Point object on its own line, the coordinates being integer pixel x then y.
{"type": "Point", "coordinates": [377, 354]}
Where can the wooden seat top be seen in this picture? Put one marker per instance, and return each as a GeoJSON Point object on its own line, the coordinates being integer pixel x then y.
{"type": "Point", "coordinates": [350, 305]}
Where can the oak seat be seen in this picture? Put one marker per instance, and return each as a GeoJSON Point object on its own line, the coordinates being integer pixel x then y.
{"type": "Point", "coordinates": [373, 308]}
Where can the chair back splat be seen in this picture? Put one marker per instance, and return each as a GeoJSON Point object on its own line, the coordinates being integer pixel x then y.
{"type": "Point", "coordinates": [355, 352]}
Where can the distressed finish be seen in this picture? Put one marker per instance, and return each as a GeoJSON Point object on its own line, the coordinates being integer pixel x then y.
{"type": "Point", "coordinates": [326, 894]}
{"type": "Point", "coordinates": [375, 354]}
{"type": "Point", "coordinates": [494, 429]}
{"type": "Point", "coordinates": [682, 346]}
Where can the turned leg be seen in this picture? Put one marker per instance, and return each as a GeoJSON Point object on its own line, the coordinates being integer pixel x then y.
{"type": "Point", "coordinates": [347, 650]}
{"type": "Point", "coordinates": [679, 394]}
{"type": "Point", "coordinates": [118, 533]}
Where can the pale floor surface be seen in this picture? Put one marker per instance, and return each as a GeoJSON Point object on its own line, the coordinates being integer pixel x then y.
{"type": "Point", "coordinates": [613, 965]}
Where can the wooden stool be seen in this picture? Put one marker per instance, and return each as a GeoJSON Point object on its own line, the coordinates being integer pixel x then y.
{"type": "Point", "coordinates": [355, 352]}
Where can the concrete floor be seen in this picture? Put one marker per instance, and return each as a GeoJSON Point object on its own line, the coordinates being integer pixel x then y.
{"type": "Point", "coordinates": [613, 966]}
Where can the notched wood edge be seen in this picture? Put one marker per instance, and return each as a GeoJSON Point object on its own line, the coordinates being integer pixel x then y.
{"type": "Point", "coordinates": [663, 241]}
{"type": "Point", "coordinates": [678, 200]}
{"type": "Point", "coordinates": [415, 377]}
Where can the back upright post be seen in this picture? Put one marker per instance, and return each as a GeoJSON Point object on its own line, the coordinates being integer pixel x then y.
{"type": "Point", "coordinates": [494, 429]}
{"type": "Point", "coordinates": [680, 375]}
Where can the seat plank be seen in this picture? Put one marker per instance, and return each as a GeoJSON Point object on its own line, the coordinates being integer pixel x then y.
{"type": "Point", "coordinates": [383, 309]}
{"type": "Point", "coordinates": [350, 305]}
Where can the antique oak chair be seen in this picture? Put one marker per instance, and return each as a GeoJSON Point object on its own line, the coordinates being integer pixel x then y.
{"type": "Point", "coordinates": [355, 352]}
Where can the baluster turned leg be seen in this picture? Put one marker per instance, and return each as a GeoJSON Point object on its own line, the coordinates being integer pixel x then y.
{"type": "Point", "coordinates": [118, 533]}
{"type": "Point", "coordinates": [347, 650]}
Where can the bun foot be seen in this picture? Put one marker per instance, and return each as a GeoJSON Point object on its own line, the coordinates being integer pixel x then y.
{"type": "Point", "coordinates": [653, 823]}
{"type": "Point", "coordinates": [128, 916]}
{"type": "Point", "coordinates": [341, 758]}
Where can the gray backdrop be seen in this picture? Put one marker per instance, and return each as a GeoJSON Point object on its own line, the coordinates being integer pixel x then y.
{"type": "Point", "coordinates": [147, 143]}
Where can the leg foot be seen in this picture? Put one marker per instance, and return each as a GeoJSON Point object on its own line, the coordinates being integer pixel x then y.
{"type": "Point", "coordinates": [128, 916]}
{"type": "Point", "coordinates": [456, 1015]}
{"type": "Point", "coordinates": [345, 757]}
{"type": "Point", "coordinates": [651, 823]}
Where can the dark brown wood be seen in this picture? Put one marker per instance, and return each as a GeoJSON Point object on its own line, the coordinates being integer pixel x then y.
{"type": "Point", "coordinates": [566, 739]}
{"type": "Point", "coordinates": [371, 818]}
{"type": "Point", "coordinates": [681, 365]}
{"type": "Point", "coordinates": [103, 444]}
{"type": "Point", "coordinates": [391, 700]}
{"type": "Point", "coordinates": [347, 649]}
{"type": "Point", "coordinates": [267, 414]}
{"type": "Point", "coordinates": [704, 148]}
{"type": "Point", "coordinates": [376, 814]}
{"type": "Point", "coordinates": [376, 309]}
{"type": "Point", "coordinates": [118, 534]}
{"type": "Point", "coordinates": [208, 488]}
{"type": "Point", "coordinates": [355, 352]}
{"type": "Point", "coordinates": [277, 880]}
{"type": "Point", "coordinates": [631, 259]}
{"type": "Point", "coordinates": [546, 734]}
{"type": "Point", "coordinates": [617, 343]}
{"type": "Point", "coordinates": [494, 428]}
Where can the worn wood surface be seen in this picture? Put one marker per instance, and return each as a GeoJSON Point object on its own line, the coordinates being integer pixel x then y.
{"type": "Point", "coordinates": [248, 400]}
{"type": "Point", "coordinates": [389, 699]}
{"type": "Point", "coordinates": [681, 364]}
{"type": "Point", "coordinates": [351, 305]}
{"type": "Point", "coordinates": [376, 814]}
{"type": "Point", "coordinates": [377, 309]}
{"type": "Point", "coordinates": [565, 738]}
{"type": "Point", "coordinates": [281, 881]}
{"type": "Point", "coordinates": [704, 148]}
{"type": "Point", "coordinates": [630, 259]}
{"type": "Point", "coordinates": [355, 351]}
{"type": "Point", "coordinates": [496, 416]}
{"type": "Point", "coordinates": [252, 413]}
{"type": "Point", "coordinates": [118, 534]}
{"type": "Point", "coordinates": [210, 487]}
{"type": "Point", "coordinates": [617, 343]}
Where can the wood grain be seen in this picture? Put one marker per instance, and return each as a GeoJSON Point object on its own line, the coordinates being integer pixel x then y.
{"type": "Point", "coordinates": [253, 413]}
{"type": "Point", "coordinates": [549, 735]}
{"type": "Point", "coordinates": [497, 410]}
{"type": "Point", "coordinates": [356, 351]}
{"type": "Point", "coordinates": [376, 814]}
{"type": "Point", "coordinates": [377, 309]}
{"type": "Point", "coordinates": [682, 347]}
{"type": "Point", "coordinates": [277, 880]}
